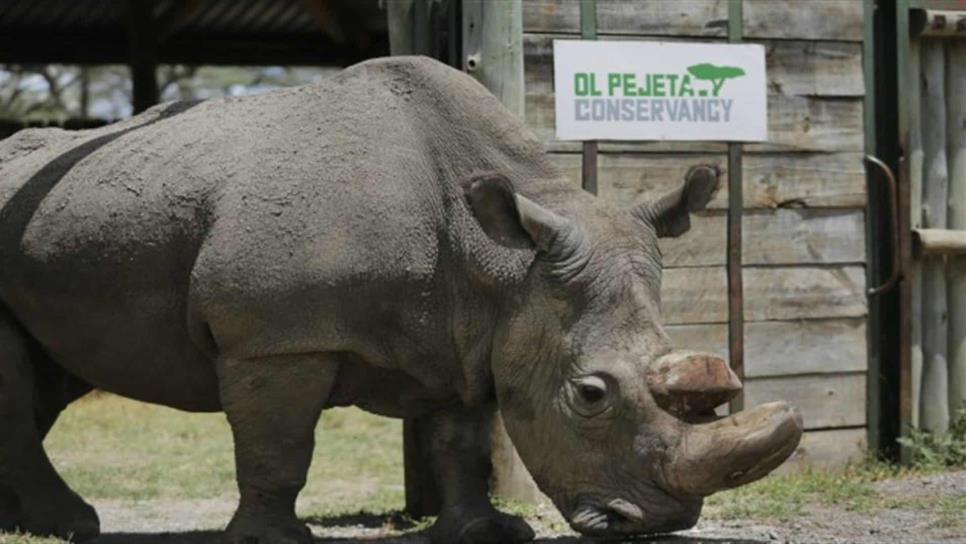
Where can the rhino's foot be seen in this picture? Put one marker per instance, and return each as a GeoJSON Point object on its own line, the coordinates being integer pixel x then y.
{"type": "Point", "coordinates": [484, 525]}
{"type": "Point", "coordinates": [66, 516]}
{"type": "Point", "coordinates": [260, 529]}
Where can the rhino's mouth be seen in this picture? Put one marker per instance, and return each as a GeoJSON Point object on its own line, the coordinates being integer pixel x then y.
{"type": "Point", "coordinates": [621, 517]}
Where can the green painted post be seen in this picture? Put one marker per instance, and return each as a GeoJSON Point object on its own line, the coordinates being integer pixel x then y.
{"type": "Point", "coordinates": [588, 31]}
{"type": "Point", "coordinates": [736, 324]}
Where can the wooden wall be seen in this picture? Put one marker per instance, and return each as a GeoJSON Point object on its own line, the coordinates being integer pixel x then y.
{"type": "Point", "coordinates": [804, 193]}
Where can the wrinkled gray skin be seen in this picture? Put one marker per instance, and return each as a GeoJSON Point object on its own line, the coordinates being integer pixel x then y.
{"type": "Point", "coordinates": [391, 238]}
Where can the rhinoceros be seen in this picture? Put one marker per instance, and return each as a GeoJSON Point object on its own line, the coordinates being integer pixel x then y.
{"type": "Point", "coordinates": [391, 238]}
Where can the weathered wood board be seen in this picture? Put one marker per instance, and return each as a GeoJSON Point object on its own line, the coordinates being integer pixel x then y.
{"type": "Point", "coordinates": [826, 448]}
{"type": "Point", "coordinates": [653, 17]}
{"type": "Point", "coordinates": [813, 19]}
{"type": "Point", "coordinates": [795, 123]}
{"type": "Point", "coordinates": [809, 180]}
{"type": "Point", "coordinates": [772, 237]}
{"type": "Point", "coordinates": [803, 68]}
{"type": "Point", "coordinates": [833, 180]}
{"type": "Point", "coordinates": [780, 348]}
{"type": "Point", "coordinates": [825, 400]}
{"type": "Point", "coordinates": [700, 295]}
{"type": "Point", "coordinates": [956, 266]}
{"type": "Point", "coordinates": [934, 402]}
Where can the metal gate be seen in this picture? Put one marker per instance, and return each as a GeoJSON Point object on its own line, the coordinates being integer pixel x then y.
{"type": "Point", "coordinates": [920, 126]}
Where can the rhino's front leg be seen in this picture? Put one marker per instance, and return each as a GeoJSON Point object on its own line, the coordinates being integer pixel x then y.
{"type": "Point", "coordinates": [273, 405]}
{"type": "Point", "coordinates": [459, 447]}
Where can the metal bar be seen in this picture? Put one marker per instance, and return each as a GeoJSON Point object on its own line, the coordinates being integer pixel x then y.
{"type": "Point", "coordinates": [588, 31]}
{"type": "Point", "coordinates": [736, 323]}
{"type": "Point", "coordinates": [893, 279]}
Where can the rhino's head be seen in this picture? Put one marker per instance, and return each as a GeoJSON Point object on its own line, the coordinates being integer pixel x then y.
{"type": "Point", "coordinates": [613, 423]}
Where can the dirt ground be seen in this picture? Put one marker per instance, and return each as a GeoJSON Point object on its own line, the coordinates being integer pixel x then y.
{"type": "Point", "coordinates": [161, 521]}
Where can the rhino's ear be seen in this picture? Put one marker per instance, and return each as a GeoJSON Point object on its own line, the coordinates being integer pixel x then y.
{"type": "Point", "coordinates": [670, 213]}
{"type": "Point", "coordinates": [510, 219]}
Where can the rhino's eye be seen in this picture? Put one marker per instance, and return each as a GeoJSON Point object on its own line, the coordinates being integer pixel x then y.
{"type": "Point", "coordinates": [589, 395]}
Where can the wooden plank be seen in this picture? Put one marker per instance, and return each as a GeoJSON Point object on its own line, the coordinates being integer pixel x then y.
{"type": "Point", "coordinates": [795, 123]}
{"type": "Point", "coordinates": [915, 220]}
{"type": "Point", "coordinates": [834, 180]}
{"type": "Point", "coordinates": [956, 271]}
{"type": "Point", "coordinates": [779, 348]}
{"type": "Point", "coordinates": [551, 16]}
{"type": "Point", "coordinates": [694, 295]}
{"type": "Point", "coordinates": [815, 20]}
{"type": "Point", "coordinates": [708, 18]}
{"type": "Point", "coordinates": [825, 400]}
{"type": "Point", "coordinates": [773, 237]}
{"type": "Point", "coordinates": [824, 180]}
{"type": "Point", "coordinates": [807, 123]}
{"type": "Point", "coordinates": [699, 295]}
{"type": "Point", "coordinates": [934, 401]}
{"type": "Point", "coordinates": [793, 67]}
{"type": "Point", "coordinates": [639, 17]}
{"type": "Point", "coordinates": [810, 68]}
{"type": "Point", "coordinates": [931, 242]}
{"type": "Point", "coordinates": [826, 449]}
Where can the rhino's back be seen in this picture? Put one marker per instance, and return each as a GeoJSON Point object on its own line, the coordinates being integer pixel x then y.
{"type": "Point", "coordinates": [346, 184]}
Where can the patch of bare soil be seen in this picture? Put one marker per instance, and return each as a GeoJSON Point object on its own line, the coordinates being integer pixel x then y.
{"type": "Point", "coordinates": [925, 509]}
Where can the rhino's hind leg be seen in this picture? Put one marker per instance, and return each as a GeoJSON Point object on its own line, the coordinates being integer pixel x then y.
{"type": "Point", "coordinates": [31, 491]}
{"type": "Point", "coordinates": [273, 405]}
{"type": "Point", "coordinates": [459, 450]}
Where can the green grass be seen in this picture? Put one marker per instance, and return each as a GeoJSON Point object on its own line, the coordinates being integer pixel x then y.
{"type": "Point", "coordinates": [783, 497]}
{"type": "Point", "coordinates": [109, 447]}
{"type": "Point", "coordinates": [27, 539]}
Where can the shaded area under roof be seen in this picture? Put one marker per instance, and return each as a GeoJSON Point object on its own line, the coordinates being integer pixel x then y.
{"type": "Point", "coordinates": [214, 32]}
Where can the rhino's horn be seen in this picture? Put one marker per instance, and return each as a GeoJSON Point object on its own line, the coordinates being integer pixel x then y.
{"type": "Point", "coordinates": [733, 450]}
{"type": "Point", "coordinates": [690, 383]}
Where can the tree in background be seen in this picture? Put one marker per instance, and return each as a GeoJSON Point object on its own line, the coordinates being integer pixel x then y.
{"type": "Point", "coordinates": [55, 93]}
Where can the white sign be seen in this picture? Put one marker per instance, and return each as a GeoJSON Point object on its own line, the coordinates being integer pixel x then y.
{"type": "Point", "coordinates": [621, 90]}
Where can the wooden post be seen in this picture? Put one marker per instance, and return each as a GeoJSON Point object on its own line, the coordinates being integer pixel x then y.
{"type": "Point", "coordinates": [915, 219]}
{"type": "Point", "coordinates": [409, 27]}
{"type": "Point", "coordinates": [934, 403]}
{"type": "Point", "coordinates": [143, 55]}
{"type": "Point", "coordinates": [410, 33]}
{"type": "Point", "coordinates": [493, 54]}
{"type": "Point", "coordinates": [736, 323]}
{"type": "Point", "coordinates": [956, 275]}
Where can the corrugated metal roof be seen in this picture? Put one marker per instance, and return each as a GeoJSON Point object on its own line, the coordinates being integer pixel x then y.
{"type": "Point", "coordinates": [286, 31]}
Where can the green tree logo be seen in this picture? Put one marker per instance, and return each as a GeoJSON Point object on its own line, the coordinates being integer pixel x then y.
{"type": "Point", "coordinates": [715, 74]}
